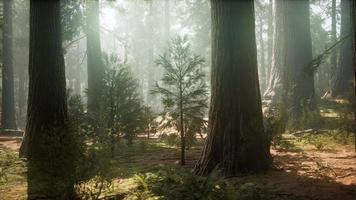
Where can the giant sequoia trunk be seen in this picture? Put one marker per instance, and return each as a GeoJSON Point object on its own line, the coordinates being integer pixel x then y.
{"type": "Point", "coordinates": [236, 142]}
{"type": "Point", "coordinates": [94, 56]}
{"type": "Point", "coordinates": [275, 89]}
{"type": "Point", "coordinates": [353, 11]}
{"type": "Point", "coordinates": [343, 82]}
{"type": "Point", "coordinates": [8, 120]}
{"type": "Point", "coordinates": [50, 164]}
{"type": "Point", "coordinates": [292, 80]}
{"type": "Point", "coordinates": [298, 54]}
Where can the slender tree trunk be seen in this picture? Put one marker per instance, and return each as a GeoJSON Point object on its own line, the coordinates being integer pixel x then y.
{"type": "Point", "coordinates": [22, 95]}
{"type": "Point", "coordinates": [77, 86]}
{"type": "Point", "coordinates": [50, 150]}
{"type": "Point", "coordinates": [269, 41]}
{"type": "Point", "coordinates": [150, 61]}
{"type": "Point", "coordinates": [236, 141]}
{"type": "Point", "coordinates": [343, 81]}
{"type": "Point", "coordinates": [333, 57]}
{"type": "Point", "coordinates": [8, 113]}
{"type": "Point", "coordinates": [94, 56]}
{"type": "Point", "coordinates": [167, 23]}
{"type": "Point", "coordinates": [181, 124]}
{"type": "Point", "coordinates": [262, 58]}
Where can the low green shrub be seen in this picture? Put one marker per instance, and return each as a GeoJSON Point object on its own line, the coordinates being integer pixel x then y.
{"type": "Point", "coordinates": [176, 183]}
{"type": "Point", "coordinates": [171, 139]}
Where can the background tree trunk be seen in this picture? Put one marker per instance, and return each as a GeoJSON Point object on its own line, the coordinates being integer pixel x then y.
{"type": "Point", "coordinates": [167, 22]}
{"type": "Point", "coordinates": [50, 166]}
{"type": "Point", "coordinates": [262, 56]}
{"type": "Point", "coordinates": [269, 41]}
{"type": "Point", "coordinates": [150, 59]}
{"type": "Point", "coordinates": [275, 89]}
{"type": "Point", "coordinates": [94, 56]}
{"type": "Point", "coordinates": [236, 141]}
{"type": "Point", "coordinates": [333, 57]}
{"type": "Point", "coordinates": [299, 76]}
{"type": "Point", "coordinates": [343, 81]}
{"type": "Point", "coordinates": [8, 113]}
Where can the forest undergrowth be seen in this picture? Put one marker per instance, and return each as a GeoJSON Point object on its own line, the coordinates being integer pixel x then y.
{"type": "Point", "coordinates": [308, 164]}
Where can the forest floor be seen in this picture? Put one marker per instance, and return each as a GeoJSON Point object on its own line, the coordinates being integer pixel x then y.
{"type": "Point", "coordinates": [305, 172]}
{"type": "Point", "coordinates": [309, 165]}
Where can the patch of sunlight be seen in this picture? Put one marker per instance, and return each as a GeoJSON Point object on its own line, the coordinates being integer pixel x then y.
{"type": "Point", "coordinates": [330, 113]}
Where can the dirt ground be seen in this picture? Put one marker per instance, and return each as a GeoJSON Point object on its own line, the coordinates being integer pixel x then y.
{"type": "Point", "coordinates": [9, 142]}
{"type": "Point", "coordinates": [311, 174]}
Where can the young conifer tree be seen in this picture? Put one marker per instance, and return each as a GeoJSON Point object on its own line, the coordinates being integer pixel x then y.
{"type": "Point", "coordinates": [183, 88]}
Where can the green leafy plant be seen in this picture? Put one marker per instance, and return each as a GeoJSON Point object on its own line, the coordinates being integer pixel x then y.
{"type": "Point", "coordinates": [176, 183]}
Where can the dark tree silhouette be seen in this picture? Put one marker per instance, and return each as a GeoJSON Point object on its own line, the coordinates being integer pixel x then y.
{"type": "Point", "coordinates": [236, 141]}
{"type": "Point", "coordinates": [343, 81]}
{"type": "Point", "coordinates": [94, 56]}
{"type": "Point", "coordinates": [8, 120]}
{"type": "Point", "coordinates": [333, 57]}
{"type": "Point", "coordinates": [47, 142]}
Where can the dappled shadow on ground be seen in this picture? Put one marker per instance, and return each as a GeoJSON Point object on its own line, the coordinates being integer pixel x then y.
{"type": "Point", "coordinates": [308, 174]}
{"type": "Point", "coordinates": [312, 175]}
{"type": "Point", "coordinates": [329, 175]}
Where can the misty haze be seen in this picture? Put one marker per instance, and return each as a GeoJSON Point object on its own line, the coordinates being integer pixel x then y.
{"type": "Point", "coordinates": [177, 100]}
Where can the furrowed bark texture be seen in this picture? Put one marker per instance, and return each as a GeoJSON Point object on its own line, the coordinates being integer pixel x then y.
{"type": "Point", "coordinates": [298, 55]}
{"type": "Point", "coordinates": [236, 142]}
{"type": "Point", "coordinates": [275, 86]}
{"type": "Point", "coordinates": [344, 75]}
{"type": "Point", "coordinates": [47, 142]}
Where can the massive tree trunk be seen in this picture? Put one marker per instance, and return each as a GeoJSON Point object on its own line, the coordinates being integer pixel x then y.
{"type": "Point", "coordinates": [354, 43]}
{"type": "Point", "coordinates": [8, 113]}
{"type": "Point", "coordinates": [94, 56]}
{"type": "Point", "coordinates": [236, 142]}
{"type": "Point", "coordinates": [292, 80]}
{"type": "Point", "coordinates": [275, 89]}
{"type": "Point", "coordinates": [343, 82]}
{"type": "Point", "coordinates": [50, 162]}
{"type": "Point", "coordinates": [298, 54]}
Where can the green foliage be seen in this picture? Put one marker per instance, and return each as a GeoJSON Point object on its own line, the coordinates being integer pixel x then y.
{"type": "Point", "coordinates": [176, 183]}
{"type": "Point", "coordinates": [122, 104]}
{"type": "Point", "coordinates": [170, 139]}
{"type": "Point", "coordinates": [171, 183]}
{"type": "Point", "coordinates": [275, 120]}
{"type": "Point", "coordinates": [71, 18]}
{"type": "Point", "coordinates": [93, 166]}
{"type": "Point", "coordinates": [182, 88]}
{"type": "Point", "coordinates": [12, 169]}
